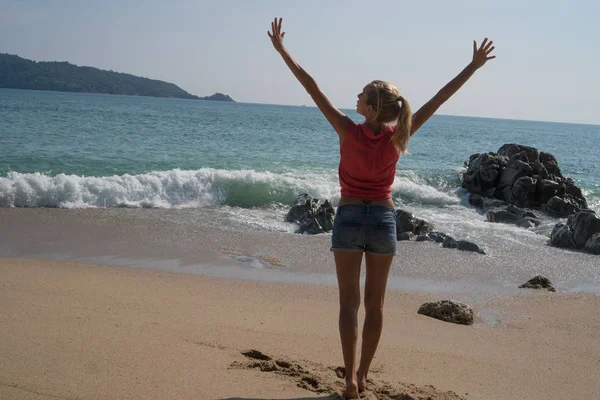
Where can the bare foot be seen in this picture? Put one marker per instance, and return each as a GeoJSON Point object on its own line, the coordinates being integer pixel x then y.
{"type": "Point", "coordinates": [362, 381]}
{"type": "Point", "coordinates": [351, 391]}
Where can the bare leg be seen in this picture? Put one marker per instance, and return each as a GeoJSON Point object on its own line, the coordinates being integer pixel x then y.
{"type": "Point", "coordinates": [347, 265]}
{"type": "Point", "coordinates": [378, 268]}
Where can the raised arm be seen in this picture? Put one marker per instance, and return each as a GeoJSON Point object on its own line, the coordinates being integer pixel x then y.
{"type": "Point", "coordinates": [336, 118]}
{"type": "Point", "coordinates": [480, 56]}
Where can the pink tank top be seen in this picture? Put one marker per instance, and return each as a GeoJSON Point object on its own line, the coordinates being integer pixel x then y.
{"type": "Point", "coordinates": [367, 163]}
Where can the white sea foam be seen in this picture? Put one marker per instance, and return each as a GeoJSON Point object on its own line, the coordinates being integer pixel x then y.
{"type": "Point", "coordinates": [162, 189]}
{"type": "Point", "coordinates": [255, 200]}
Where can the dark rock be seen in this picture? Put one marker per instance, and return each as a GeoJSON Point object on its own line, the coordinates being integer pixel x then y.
{"type": "Point", "coordinates": [473, 156]}
{"type": "Point", "coordinates": [450, 243]}
{"type": "Point", "coordinates": [562, 236]}
{"type": "Point", "coordinates": [523, 176]}
{"type": "Point", "coordinates": [406, 222]}
{"type": "Point", "coordinates": [540, 170]}
{"type": "Point", "coordinates": [549, 162]}
{"type": "Point", "coordinates": [546, 189]}
{"type": "Point", "coordinates": [493, 203]}
{"type": "Point", "coordinates": [523, 192]}
{"type": "Point", "coordinates": [449, 311]}
{"type": "Point", "coordinates": [423, 238]}
{"type": "Point", "coordinates": [405, 236]}
{"type": "Point", "coordinates": [438, 237]}
{"type": "Point", "coordinates": [519, 212]}
{"type": "Point", "coordinates": [482, 174]}
{"type": "Point", "coordinates": [476, 200]}
{"type": "Point", "coordinates": [584, 224]}
{"type": "Point", "coordinates": [513, 171]}
{"type": "Point", "coordinates": [576, 193]}
{"type": "Point", "coordinates": [593, 244]}
{"type": "Point", "coordinates": [469, 246]}
{"type": "Point", "coordinates": [560, 207]}
{"type": "Point", "coordinates": [501, 216]}
{"type": "Point", "coordinates": [312, 215]}
{"type": "Point", "coordinates": [528, 222]}
{"type": "Point", "coordinates": [514, 215]}
{"type": "Point", "coordinates": [510, 150]}
{"type": "Point", "coordinates": [538, 282]}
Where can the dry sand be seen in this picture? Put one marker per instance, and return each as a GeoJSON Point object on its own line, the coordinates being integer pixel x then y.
{"type": "Point", "coordinates": [81, 331]}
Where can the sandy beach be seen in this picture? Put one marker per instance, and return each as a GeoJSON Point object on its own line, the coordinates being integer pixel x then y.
{"type": "Point", "coordinates": [80, 331]}
{"type": "Point", "coordinates": [151, 304]}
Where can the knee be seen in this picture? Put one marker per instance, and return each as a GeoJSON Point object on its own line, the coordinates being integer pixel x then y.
{"type": "Point", "coordinates": [350, 303]}
{"type": "Point", "coordinates": [373, 306]}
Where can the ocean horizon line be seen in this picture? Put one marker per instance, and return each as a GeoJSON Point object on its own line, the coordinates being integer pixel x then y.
{"type": "Point", "coordinates": [308, 106]}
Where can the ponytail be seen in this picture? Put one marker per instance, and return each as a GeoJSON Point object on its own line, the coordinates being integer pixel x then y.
{"type": "Point", "coordinates": [403, 128]}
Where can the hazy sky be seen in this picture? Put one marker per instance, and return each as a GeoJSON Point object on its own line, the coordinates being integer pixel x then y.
{"type": "Point", "coordinates": [547, 66]}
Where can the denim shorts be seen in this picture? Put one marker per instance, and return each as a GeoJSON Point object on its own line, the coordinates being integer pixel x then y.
{"type": "Point", "coordinates": [365, 228]}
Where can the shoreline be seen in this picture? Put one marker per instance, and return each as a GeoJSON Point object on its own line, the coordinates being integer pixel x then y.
{"type": "Point", "coordinates": [181, 241]}
{"type": "Point", "coordinates": [73, 330]}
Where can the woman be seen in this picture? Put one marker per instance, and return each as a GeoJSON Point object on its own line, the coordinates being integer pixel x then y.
{"type": "Point", "coordinates": [365, 218]}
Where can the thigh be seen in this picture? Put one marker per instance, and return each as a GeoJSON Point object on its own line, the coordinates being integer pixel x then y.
{"type": "Point", "coordinates": [378, 270]}
{"type": "Point", "coordinates": [347, 265]}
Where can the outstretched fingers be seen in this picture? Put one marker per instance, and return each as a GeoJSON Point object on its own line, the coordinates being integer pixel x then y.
{"type": "Point", "coordinates": [483, 44]}
{"type": "Point", "coordinates": [488, 50]}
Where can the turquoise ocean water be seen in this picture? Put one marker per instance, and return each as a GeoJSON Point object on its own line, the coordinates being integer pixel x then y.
{"type": "Point", "coordinates": [242, 165]}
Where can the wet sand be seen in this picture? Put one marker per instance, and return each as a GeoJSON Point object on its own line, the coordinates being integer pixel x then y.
{"type": "Point", "coordinates": [183, 241]}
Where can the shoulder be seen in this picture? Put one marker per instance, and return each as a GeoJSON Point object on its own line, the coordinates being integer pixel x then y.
{"type": "Point", "coordinates": [352, 130]}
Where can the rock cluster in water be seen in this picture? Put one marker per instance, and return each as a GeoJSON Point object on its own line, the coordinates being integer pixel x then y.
{"type": "Point", "coordinates": [408, 227]}
{"type": "Point", "coordinates": [315, 216]}
{"type": "Point", "coordinates": [311, 214]}
{"type": "Point", "coordinates": [524, 177]}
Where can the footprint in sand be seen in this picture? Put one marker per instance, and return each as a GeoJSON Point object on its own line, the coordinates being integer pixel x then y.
{"type": "Point", "coordinates": [321, 379]}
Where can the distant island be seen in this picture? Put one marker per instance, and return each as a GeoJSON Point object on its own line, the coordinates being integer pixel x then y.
{"type": "Point", "coordinates": [20, 73]}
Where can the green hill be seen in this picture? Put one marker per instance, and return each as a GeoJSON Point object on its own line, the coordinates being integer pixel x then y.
{"type": "Point", "coordinates": [20, 73]}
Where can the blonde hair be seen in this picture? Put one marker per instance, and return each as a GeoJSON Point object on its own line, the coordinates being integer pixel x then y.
{"type": "Point", "coordinates": [391, 106]}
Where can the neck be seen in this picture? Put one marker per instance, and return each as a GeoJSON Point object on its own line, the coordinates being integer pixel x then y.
{"type": "Point", "coordinates": [374, 126]}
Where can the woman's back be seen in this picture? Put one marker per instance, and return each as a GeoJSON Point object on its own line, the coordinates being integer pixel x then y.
{"type": "Point", "coordinates": [367, 163]}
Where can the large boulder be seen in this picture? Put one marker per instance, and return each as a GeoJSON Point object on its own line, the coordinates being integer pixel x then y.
{"type": "Point", "coordinates": [483, 174]}
{"type": "Point", "coordinates": [584, 224]}
{"type": "Point", "coordinates": [562, 236]}
{"type": "Point", "coordinates": [525, 177]}
{"type": "Point", "coordinates": [311, 214]}
{"type": "Point", "coordinates": [514, 215]}
{"type": "Point", "coordinates": [582, 231]}
{"type": "Point", "coordinates": [514, 170]}
{"type": "Point", "coordinates": [523, 192]}
{"type": "Point", "coordinates": [593, 244]}
{"type": "Point", "coordinates": [449, 311]}
{"type": "Point", "coordinates": [546, 189]}
{"type": "Point", "coordinates": [549, 162]}
{"type": "Point", "coordinates": [560, 207]}
{"type": "Point", "coordinates": [517, 150]}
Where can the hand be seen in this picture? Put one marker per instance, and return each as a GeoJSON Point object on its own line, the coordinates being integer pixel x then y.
{"type": "Point", "coordinates": [277, 36]}
{"type": "Point", "coordinates": [482, 54]}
